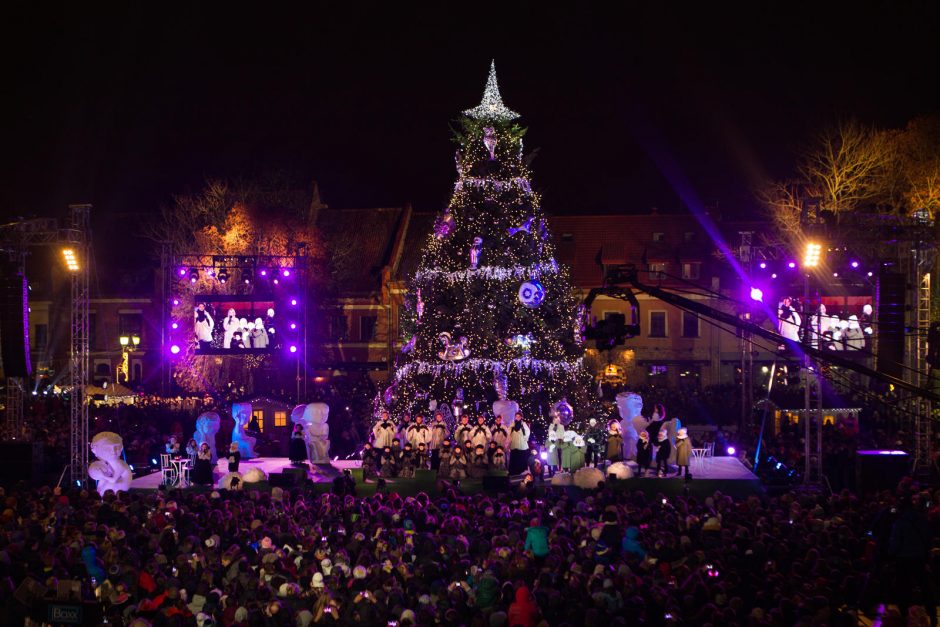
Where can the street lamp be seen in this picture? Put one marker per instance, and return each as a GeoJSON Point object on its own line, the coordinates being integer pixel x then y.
{"type": "Point", "coordinates": [128, 345]}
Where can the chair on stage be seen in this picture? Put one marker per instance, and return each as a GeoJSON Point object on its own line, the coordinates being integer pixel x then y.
{"type": "Point", "coordinates": [698, 459]}
{"type": "Point", "coordinates": [709, 453]}
{"type": "Point", "coordinates": [167, 471]}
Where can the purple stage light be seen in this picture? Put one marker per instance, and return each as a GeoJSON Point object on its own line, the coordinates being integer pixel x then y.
{"type": "Point", "coordinates": [285, 272]}
{"type": "Point", "coordinates": [870, 273]}
{"type": "Point", "coordinates": [791, 265]}
{"type": "Point", "coordinates": [293, 348]}
{"type": "Point", "coordinates": [757, 294]}
{"type": "Point", "coordinates": [182, 271]}
{"type": "Point", "coordinates": [264, 272]}
{"type": "Point", "coordinates": [544, 456]}
{"type": "Point", "coordinates": [731, 450]}
{"type": "Point", "coordinates": [276, 281]}
{"type": "Point", "coordinates": [293, 326]}
{"type": "Point", "coordinates": [835, 274]}
{"type": "Point", "coordinates": [176, 302]}
{"type": "Point", "coordinates": [763, 265]}
{"type": "Point", "coordinates": [773, 276]}
{"type": "Point", "coordinates": [293, 302]}
{"type": "Point", "coordinates": [175, 349]}
{"type": "Point", "coordinates": [175, 325]}
{"type": "Point", "coordinates": [192, 279]}
{"type": "Point", "coordinates": [854, 264]}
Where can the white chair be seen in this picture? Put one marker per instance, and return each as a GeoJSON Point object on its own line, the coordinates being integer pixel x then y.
{"type": "Point", "coordinates": [167, 471]}
{"type": "Point", "coordinates": [709, 452]}
{"type": "Point", "coordinates": [698, 459]}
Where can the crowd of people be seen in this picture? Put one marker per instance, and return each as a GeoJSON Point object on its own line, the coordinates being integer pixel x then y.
{"type": "Point", "coordinates": [556, 557]}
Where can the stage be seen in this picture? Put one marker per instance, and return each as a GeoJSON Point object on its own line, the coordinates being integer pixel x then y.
{"type": "Point", "coordinates": [726, 474]}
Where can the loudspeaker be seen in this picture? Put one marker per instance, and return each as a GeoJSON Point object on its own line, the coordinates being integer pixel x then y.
{"type": "Point", "coordinates": [880, 470]}
{"type": "Point", "coordinates": [496, 483]}
{"type": "Point", "coordinates": [14, 325]}
{"type": "Point", "coordinates": [285, 479]}
{"type": "Point", "coordinates": [891, 308]}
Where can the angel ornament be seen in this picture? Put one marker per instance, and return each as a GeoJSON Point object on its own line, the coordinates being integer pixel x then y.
{"type": "Point", "coordinates": [453, 351]}
{"type": "Point", "coordinates": [475, 252]}
{"type": "Point", "coordinates": [489, 140]}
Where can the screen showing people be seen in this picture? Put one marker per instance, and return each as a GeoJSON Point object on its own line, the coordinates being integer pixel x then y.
{"type": "Point", "coordinates": [831, 323]}
{"type": "Point", "coordinates": [234, 326]}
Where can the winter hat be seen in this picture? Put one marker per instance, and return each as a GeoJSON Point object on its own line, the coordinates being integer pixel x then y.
{"type": "Point", "coordinates": [712, 524]}
{"type": "Point", "coordinates": [317, 581]}
{"type": "Point", "coordinates": [360, 572]}
{"type": "Point", "coordinates": [682, 434]}
{"type": "Point", "coordinates": [407, 615]}
{"type": "Point", "coordinates": [326, 566]}
{"type": "Point", "coordinates": [241, 614]}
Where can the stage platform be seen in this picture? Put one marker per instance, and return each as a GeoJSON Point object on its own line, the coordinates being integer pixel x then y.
{"type": "Point", "coordinates": [726, 474]}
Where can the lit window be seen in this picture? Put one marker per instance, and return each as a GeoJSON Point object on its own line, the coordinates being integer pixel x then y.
{"type": "Point", "coordinates": [659, 237]}
{"type": "Point", "coordinates": [258, 415]}
{"type": "Point", "coordinates": [658, 270]}
{"type": "Point", "coordinates": [657, 370]}
{"type": "Point", "coordinates": [691, 270]}
{"type": "Point", "coordinates": [280, 419]}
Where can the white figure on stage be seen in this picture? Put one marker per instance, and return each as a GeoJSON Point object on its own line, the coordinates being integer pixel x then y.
{"type": "Point", "coordinates": [207, 425]}
{"type": "Point", "coordinates": [241, 412]}
{"type": "Point", "coordinates": [317, 432]}
{"type": "Point", "coordinates": [204, 325]}
{"type": "Point", "coordinates": [383, 432]}
{"type": "Point", "coordinates": [630, 407]}
{"type": "Point", "coordinates": [231, 324]}
{"type": "Point", "coordinates": [109, 470]}
{"type": "Point", "coordinates": [259, 337]}
{"type": "Point", "coordinates": [672, 427]}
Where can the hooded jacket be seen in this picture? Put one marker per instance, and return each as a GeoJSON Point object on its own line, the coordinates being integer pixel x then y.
{"type": "Point", "coordinates": [522, 612]}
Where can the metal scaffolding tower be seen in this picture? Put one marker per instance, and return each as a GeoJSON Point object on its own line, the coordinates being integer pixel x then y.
{"type": "Point", "coordinates": [78, 353]}
{"type": "Point", "coordinates": [13, 414]}
{"type": "Point", "coordinates": [922, 408]}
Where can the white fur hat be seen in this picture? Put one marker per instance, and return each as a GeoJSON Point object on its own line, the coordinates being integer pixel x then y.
{"type": "Point", "coordinates": [682, 434]}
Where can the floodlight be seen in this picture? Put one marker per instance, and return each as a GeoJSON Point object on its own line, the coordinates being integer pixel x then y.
{"type": "Point", "coordinates": [812, 254]}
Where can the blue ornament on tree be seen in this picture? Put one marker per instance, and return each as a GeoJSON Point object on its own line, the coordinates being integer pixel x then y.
{"type": "Point", "coordinates": [531, 294]}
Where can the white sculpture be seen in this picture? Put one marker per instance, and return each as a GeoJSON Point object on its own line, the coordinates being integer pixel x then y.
{"type": "Point", "coordinates": [254, 475]}
{"type": "Point", "coordinates": [207, 425]}
{"type": "Point", "coordinates": [313, 418]}
{"type": "Point", "coordinates": [630, 407]}
{"type": "Point", "coordinates": [620, 470]}
{"type": "Point", "coordinates": [507, 409]}
{"type": "Point", "coordinates": [241, 412]}
{"type": "Point", "coordinates": [562, 479]}
{"type": "Point", "coordinates": [109, 470]}
{"type": "Point", "coordinates": [587, 478]}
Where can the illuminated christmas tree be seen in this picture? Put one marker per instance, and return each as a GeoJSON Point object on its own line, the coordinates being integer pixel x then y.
{"type": "Point", "coordinates": [490, 314]}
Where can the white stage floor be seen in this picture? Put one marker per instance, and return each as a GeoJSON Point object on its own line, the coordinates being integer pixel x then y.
{"type": "Point", "coordinates": [270, 465]}
{"type": "Point", "coordinates": [721, 468]}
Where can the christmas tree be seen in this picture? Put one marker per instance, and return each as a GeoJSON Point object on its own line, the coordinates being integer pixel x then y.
{"type": "Point", "coordinates": [490, 314]}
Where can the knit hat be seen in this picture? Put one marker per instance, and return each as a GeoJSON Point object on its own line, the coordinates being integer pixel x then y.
{"type": "Point", "coordinates": [241, 614]}
{"type": "Point", "coordinates": [326, 566]}
{"type": "Point", "coordinates": [317, 581]}
{"type": "Point", "coordinates": [360, 572]}
{"type": "Point", "coordinates": [682, 434]}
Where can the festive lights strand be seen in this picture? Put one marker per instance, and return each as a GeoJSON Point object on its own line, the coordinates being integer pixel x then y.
{"type": "Point", "coordinates": [491, 107]}
{"type": "Point", "coordinates": [520, 364]}
{"type": "Point", "coordinates": [491, 272]}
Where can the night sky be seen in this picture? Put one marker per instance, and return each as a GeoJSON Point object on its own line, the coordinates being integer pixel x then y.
{"type": "Point", "coordinates": [124, 107]}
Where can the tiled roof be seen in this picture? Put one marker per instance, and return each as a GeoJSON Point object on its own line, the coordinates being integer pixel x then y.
{"type": "Point", "coordinates": [415, 239]}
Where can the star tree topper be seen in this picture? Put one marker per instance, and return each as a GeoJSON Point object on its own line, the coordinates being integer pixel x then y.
{"type": "Point", "coordinates": [492, 107]}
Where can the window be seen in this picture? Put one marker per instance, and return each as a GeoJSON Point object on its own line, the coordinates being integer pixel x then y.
{"type": "Point", "coordinates": [658, 370]}
{"type": "Point", "coordinates": [691, 270]}
{"type": "Point", "coordinates": [339, 327]}
{"type": "Point", "coordinates": [657, 324]}
{"type": "Point", "coordinates": [658, 270]}
{"type": "Point", "coordinates": [688, 236]}
{"type": "Point", "coordinates": [659, 237]}
{"type": "Point", "coordinates": [130, 323]}
{"type": "Point", "coordinates": [280, 419]}
{"type": "Point", "coordinates": [258, 414]}
{"type": "Point", "coordinates": [690, 324]}
{"type": "Point", "coordinates": [137, 371]}
{"type": "Point", "coordinates": [41, 336]}
{"type": "Point", "coordinates": [367, 328]}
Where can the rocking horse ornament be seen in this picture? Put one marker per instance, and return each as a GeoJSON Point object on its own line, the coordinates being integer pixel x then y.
{"type": "Point", "coordinates": [453, 351]}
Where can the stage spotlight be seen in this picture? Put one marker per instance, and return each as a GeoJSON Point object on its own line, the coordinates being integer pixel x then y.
{"type": "Point", "coordinates": [731, 451]}
{"type": "Point", "coordinates": [175, 325]}
{"type": "Point", "coordinates": [193, 275]}
{"type": "Point", "coordinates": [223, 275]}
{"type": "Point", "coordinates": [791, 265]}
{"type": "Point", "coordinates": [773, 276]}
{"type": "Point", "coordinates": [247, 275]}
{"type": "Point", "coordinates": [264, 272]}
{"type": "Point", "coordinates": [870, 274]}
{"type": "Point", "coordinates": [812, 254]}
{"type": "Point", "coordinates": [293, 348]}
{"type": "Point", "coordinates": [757, 294]}
{"type": "Point", "coordinates": [176, 302]}
{"type": "Point", "coordinates": [763, 265]}
{"type": "Point", "coordinates": [285, 272]}
{"type": "Point", "coordinates": [293, 302]}
{"type": "Point", "coordinates": [854, 264]}
{"type": "Point", "coordinates": [175, 349]}
{"type": "Point", "coordinates": [182, 271]}
{"type": "Point", "coordinates": [835, 274]}
{"type": "Point", "coordinates": [71, 261]}
{"type": "Point", "coordinates": [275, 281]}
{"type": "Point", "coordinates": [293, 326]}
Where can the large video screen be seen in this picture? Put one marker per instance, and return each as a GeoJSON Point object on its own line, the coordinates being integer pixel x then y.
{"type": "Point", "coordinates": [234, 325]}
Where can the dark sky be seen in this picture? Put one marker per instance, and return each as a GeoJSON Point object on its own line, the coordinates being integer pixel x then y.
{"type": "Point", "coordinates": [123, 107]}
